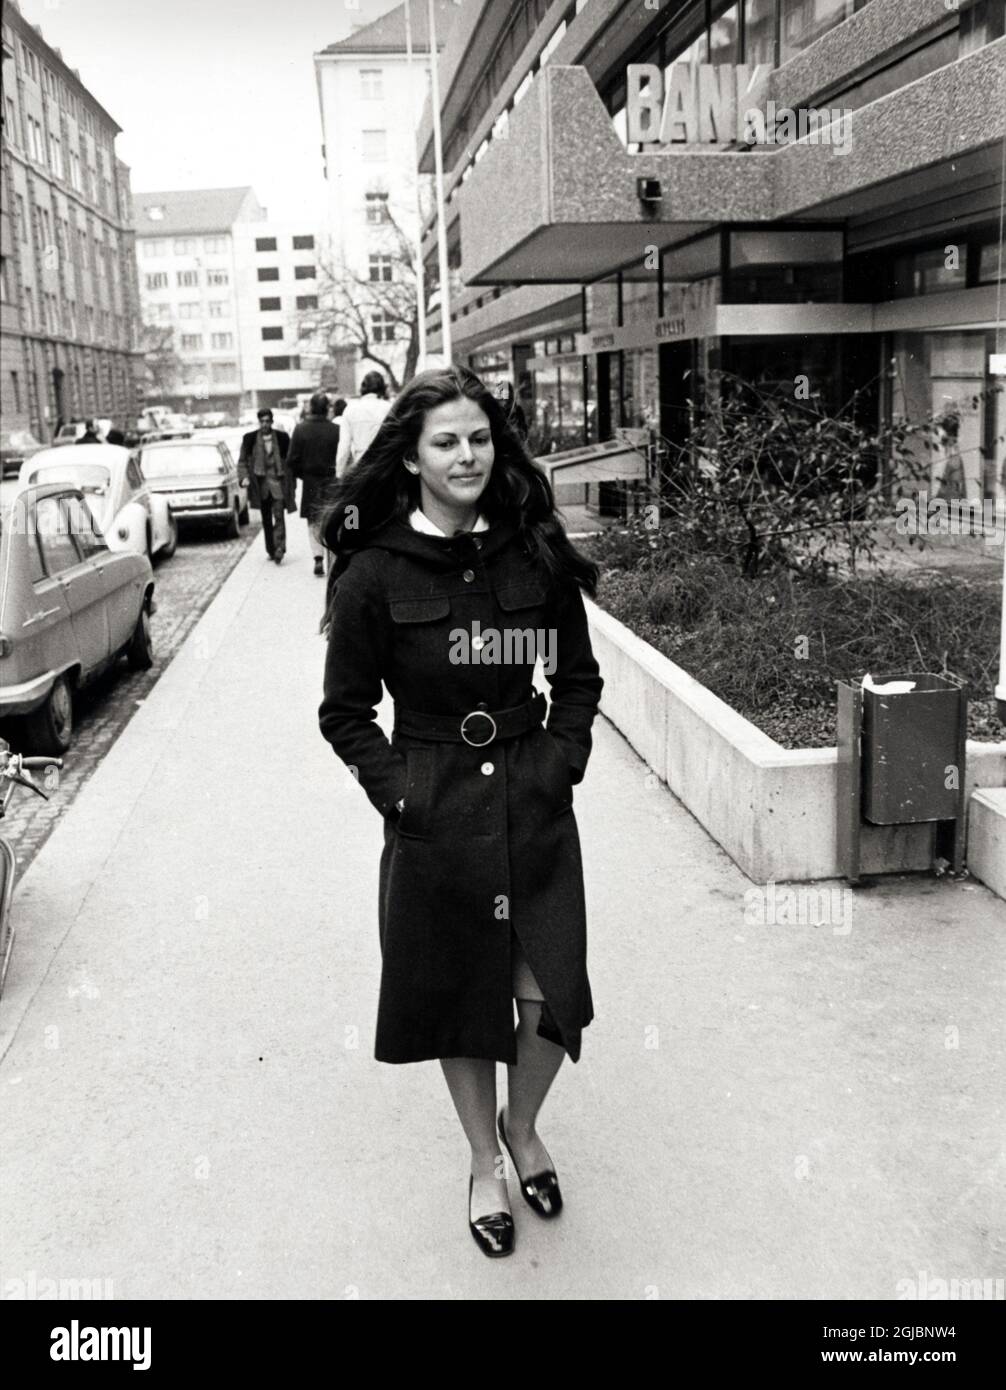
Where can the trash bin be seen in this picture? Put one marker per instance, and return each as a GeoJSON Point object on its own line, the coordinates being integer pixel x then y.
{"type": "Point", "coordinates": [901, 761]}
{"type": "Point", "coordinates": [910, 740]}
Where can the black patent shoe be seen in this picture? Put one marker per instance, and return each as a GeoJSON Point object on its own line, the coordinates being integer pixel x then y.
{"type": "Point", "coordinates": [540, 1192]}
{"type": "Point", "coordinates": [493, 1234]}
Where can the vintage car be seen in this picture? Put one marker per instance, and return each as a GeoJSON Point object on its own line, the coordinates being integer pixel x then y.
{"type": "Point", "coordinates": [128, 515]}
{"type": "Point", "coordinates": [69, 434]}
{"type": "Point", "coordinates": [15, 447]}
{"type": "Point", "coordinates": [69, 608]}
{"type": "Point", "coordinates": [199, 478]}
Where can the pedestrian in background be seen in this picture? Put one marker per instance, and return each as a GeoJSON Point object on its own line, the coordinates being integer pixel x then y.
{"type": "Point", "coordinates": [313, 448]}
{"type": "Point", "coordinates": [90, 435]}
{"type": "Point", "coordinates": [448, 522]}
{"type": "Point", "coordinates": [361, 419]}
{"type": "Point", "coordinates": [262, 468]}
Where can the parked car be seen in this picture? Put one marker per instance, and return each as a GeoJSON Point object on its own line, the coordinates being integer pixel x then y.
{"type": "Point", "coordinates": [199, 478]}
{"type": "Point", "coordinates": [69, 434]}
{"type": "Point", "coordinates": [15, 447]}
{"type": "Point", "coordinates": [128, 515]}
{"type": "Point", "coordinates": [69, 608]}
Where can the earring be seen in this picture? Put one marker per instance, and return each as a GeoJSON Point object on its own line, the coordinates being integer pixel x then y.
{"type": "Point", "coordinates": [412, 467]}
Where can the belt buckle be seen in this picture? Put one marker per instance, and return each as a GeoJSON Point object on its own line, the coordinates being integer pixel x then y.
{"type": "Point", "coordinates": [478, 714]}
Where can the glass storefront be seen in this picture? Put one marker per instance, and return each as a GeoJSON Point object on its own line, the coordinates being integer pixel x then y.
{"type": "Point", "coordinates": [942, 375]}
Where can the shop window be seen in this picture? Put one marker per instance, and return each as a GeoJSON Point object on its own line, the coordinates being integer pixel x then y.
{"type": "Point", "coordinates": [991, 262]}
{"type": "Point", "coordinates": [803, 22]}
{"type": "Point", "coordinates": [930, 271]}
{"type": "Point", "coordinates": [979, 24]}
{"type": "Point", "coordinates": [724, 37]}
{"type": "Point", "coordinates": [759, 31]}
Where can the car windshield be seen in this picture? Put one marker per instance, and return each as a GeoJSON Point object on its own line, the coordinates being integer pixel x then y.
{"type": "Point", "coordinates": [166, 463]}
{"type": "Point", "coordinates": [89, 477]}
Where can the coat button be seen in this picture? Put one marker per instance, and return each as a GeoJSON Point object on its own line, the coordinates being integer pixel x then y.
{"type": "Point", "coordinates": [488, 769]}
{"type": "Point", "coordinates": [468, 576]}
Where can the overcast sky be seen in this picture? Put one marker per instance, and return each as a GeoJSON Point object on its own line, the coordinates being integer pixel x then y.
{"type": "Point", "coordinates": [209, 93]}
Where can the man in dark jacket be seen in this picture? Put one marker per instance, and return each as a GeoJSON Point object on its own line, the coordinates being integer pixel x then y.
{"type": "Point", "coordinates": [264, 470]}
{"type": "Point", "coordinates": [312, 459]}
{"type": "Point", "coordinates": [90, 435]}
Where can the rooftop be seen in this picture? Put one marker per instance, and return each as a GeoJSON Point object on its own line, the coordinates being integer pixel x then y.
{"type": "Point", "coordinates": [177, 212]}
{"type": "Point", "coordinates": [387, 34]}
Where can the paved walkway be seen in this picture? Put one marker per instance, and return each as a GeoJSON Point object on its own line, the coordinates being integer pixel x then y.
{"type": "Point", "coordinates": [191, 1107]}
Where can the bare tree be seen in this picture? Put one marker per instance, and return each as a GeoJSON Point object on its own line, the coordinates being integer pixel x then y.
{"type": "Point", "coordinates": [163, 364]}
{"type": "Point", "coordinates": [371, 315]}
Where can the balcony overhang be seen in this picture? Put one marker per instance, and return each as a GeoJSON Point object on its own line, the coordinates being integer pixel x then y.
{"type": "Point", "coordinates": [557, 201]}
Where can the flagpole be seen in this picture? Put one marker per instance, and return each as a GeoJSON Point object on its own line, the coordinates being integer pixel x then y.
{"type": "Point", "coordinates": [420, 270]}
{"type": "Point", "coordinates": [438, 152]}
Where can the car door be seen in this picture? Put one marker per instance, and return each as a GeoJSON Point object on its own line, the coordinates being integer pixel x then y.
{"type": "Point", "coordinates": [44, 634]}
{"type": "Point", "coordinates": [120, 588]}
{"type": "Point", "coordinates": [82, 582]}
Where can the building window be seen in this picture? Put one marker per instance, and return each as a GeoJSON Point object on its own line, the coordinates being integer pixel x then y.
{"type": "Point", "coordinates": [223, 372]}
{"type": "Point", "coordinates": [188, 279]}
{"type": "Point", "coordinates": [303, 243]}
{"type": "Point", "coordinates": [222, 340]}
{"type": "Point", "coordinates": [980, 23]}
{"type": "Point", "coordinates": [803, 22]}
{"type": "Point", "coordinates": [268, 272]}
{"type": "Point", "coordinates": [75, 179]}
{"type": "Point", "coordinates": [265, 243]}
{"type": "Point", "coordinates": [381, 267]}
{"type": "Point", "coordinates": [272, 334]}
{"type": "Point", "coordinates": [382, 327]}
{"type": "Point", "coordinates": [991, 263]}
{"type": "Point", "coordinates": [377, 208]}
{"type": "Point", "coordinates": [185, 246]}
{"type": "Point", "coordinates": [157, 281]}
{"type": "Point", "coordinates": [192, 310]}
{"type": "Point", "coordinates": [375, 145]}
{"type": "Point", "coordinates": [3, 280]}
{"type": "Point", "coordinates": [56, 156]}
{"type": "Point", "coordinates": [929, 271]}
{"type": "Point", "coordinates": [214, 245]}
{"type": "Point", "coordinates": [307, 301]}
{"type": "Point", "coordinates": [162, 313]}
{"type": "Point", "coordinates": [269, 306]}
{"type": "Point", "coordinates": [281, 364]}
{"type": "Point", "coordinates": [371, 84]}
{"type": "Point", "coordinates": [217, 308]}
{"type": "Point", "coordinates": [303, 272]}
{"type": "Point", "coordinates": [192, 342]}
{"type": "Point", "coordinates": [218, 277]}
{"type": "Point", "coordinates": [20, 215]}
{"type": "Point", "coordinates": [10, 122]}
{"type": "Point", "coordinates": [15, 387]}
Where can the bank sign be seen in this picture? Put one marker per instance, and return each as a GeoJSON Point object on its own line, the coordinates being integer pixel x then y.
{"type": "Point", "coordinates": [721, 103]}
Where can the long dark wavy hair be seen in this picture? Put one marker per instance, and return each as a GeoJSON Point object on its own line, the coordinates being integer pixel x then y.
{"type": "Point", "coordinates": [379, 488]}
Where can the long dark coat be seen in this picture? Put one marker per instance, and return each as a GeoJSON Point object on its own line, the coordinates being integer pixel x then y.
{"type": "Point", "coordinates": [311, 458]}
{"type": "Point", "coordinates": [487, 842]}
{"type": "Point", "coordinates": [247, 457]}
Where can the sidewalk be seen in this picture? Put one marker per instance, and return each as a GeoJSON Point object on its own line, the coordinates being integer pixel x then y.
{"type": "Point", "coordinates": [191, 1108]}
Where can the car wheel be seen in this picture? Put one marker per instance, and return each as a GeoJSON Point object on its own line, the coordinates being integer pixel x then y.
{"type": "Point", "coordinates": [233, 524]}
{"type": "Point", "coordinates": [140, 652]}
{"type": "Point", "coordinates": [49, 729]}
{"type": "Point", "coordinates": [168, 550]}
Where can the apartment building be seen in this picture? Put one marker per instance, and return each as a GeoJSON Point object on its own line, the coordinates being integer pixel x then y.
{"type": "Point", "coordinates": [69, 307]}
{"type": "Point", "coordinates": [277, 278]}
{"type": "Point", "coordinates": [371, 99]}
{"type": "Point", "coordinates": [188, 276]}
{"type": "Point", "coordinates": [848, 231]}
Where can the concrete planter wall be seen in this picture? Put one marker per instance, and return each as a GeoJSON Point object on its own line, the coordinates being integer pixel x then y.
{"type": "Point", "coordinates": [772, 809]}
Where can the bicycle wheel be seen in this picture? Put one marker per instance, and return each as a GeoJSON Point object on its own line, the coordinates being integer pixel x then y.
{"type": "Point", "coordinates": [8, 868]}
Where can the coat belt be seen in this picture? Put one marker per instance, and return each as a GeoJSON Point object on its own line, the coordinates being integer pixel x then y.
{"type": "Point", "coordinates": [478, 728]}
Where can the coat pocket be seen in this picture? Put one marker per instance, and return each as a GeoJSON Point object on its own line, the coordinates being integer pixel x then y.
{"type": "Point", "coordinates": [419, 610]}
{"type": "Point", "coordinates": [413, 822]}
{"type": "Point", "coordinates": [527, 593]}
{"type": "Point", "coordinates": [556, 773]}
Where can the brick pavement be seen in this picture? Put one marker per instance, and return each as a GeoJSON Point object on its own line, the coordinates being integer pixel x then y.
{"type": "Point", "coordinates": [185, 585]}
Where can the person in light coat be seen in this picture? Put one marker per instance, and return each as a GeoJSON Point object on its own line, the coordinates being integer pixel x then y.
{"type": "Point", "coordinates": [360, 421]}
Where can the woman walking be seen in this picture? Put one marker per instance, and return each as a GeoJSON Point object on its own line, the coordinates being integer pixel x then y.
{"type": "Point", "coordinates": [451, 570]}
{"type": "Point", "coordinates": [313, 447]}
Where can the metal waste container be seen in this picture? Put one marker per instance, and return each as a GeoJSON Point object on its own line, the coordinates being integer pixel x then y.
{"type": "Point", "coordinates": [911, 740]}
{"type": "Point", "coordinates": [902, 761]}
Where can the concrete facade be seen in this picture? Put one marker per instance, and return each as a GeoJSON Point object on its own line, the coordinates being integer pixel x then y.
{"type": "Point", "coordinates": [70, 317]}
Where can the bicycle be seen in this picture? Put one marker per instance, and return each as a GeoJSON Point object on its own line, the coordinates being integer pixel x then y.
{"type": "Point", "coordinates": [14, 772]}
